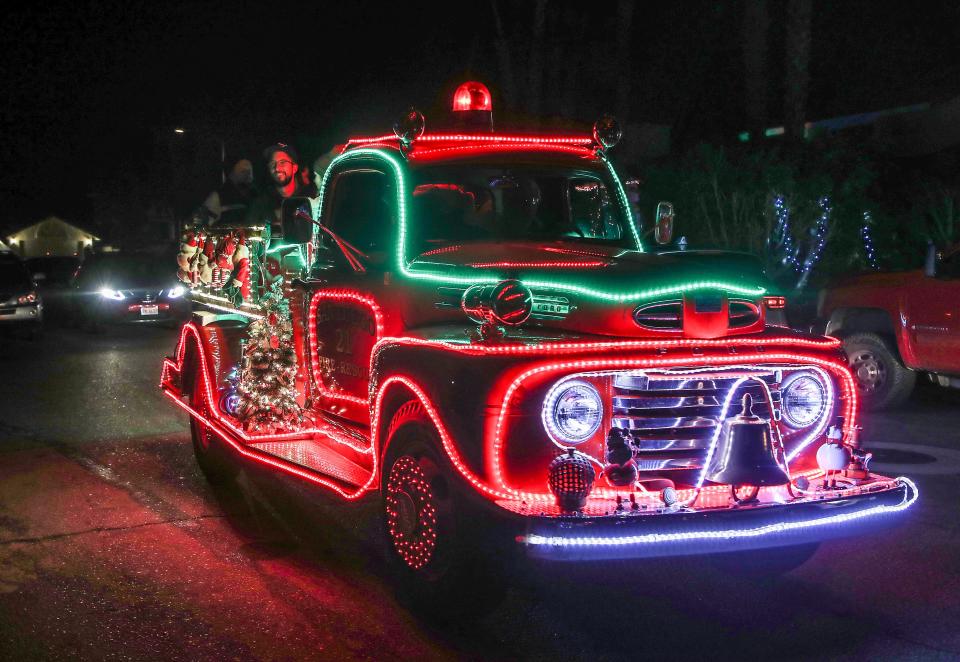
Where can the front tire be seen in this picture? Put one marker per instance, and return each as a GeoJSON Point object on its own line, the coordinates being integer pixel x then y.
{"type": "Point", "coordinates": [426, 533]}
{"type": "Point", "coordinates": [883, 382]}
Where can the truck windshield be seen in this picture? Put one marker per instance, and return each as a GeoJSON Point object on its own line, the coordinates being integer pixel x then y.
{"type": "Point", "coordinates": [457, 204]}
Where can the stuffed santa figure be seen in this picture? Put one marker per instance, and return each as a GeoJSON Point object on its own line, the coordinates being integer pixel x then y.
{"type": "Point", "coordinates": [205, 261]}
{"type": "Point", "coordinates": [187, 257]}
{"type": "Point", "coordinates": [223, 261]}
{"type": "Point", "coordinates": [233, 258]}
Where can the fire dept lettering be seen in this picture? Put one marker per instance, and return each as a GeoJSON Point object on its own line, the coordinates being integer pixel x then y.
{"type": "Point", "coordinates": [345, 336]}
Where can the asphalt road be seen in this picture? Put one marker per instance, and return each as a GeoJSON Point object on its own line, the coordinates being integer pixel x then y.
{"type": "Point", "coordinates": [112, 546]}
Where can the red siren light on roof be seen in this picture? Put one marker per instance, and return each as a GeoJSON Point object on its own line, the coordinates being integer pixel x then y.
{"type": "Point", "coordinates": [472, 96]}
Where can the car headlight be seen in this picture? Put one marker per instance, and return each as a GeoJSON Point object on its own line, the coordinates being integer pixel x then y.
{"type": "Point", "coordinates": [109, 293]}
{"type": "Point", "coordinates": [572, 412]}
{"type": "Point", "coordinates": [804, 399]}
{"type": "Point", "coordinates": [176, 291]}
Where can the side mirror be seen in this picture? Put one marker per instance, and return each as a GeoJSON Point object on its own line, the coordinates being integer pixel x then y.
{"type": "Point", "coordinates": [663, 228]}
{"type": "Point", "coordinates": [297, 220]}
{"type": "Point", "coordinates": [930, 262]}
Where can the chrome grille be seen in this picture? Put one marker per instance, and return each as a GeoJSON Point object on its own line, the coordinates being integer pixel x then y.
{"type": "Point", "coordinates": [670, 419]}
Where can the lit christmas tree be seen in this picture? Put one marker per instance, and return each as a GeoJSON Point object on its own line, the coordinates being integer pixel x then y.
{"type": "Point", "coordinates": [266, 392]}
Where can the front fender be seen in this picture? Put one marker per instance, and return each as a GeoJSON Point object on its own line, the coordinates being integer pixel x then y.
{"type": "Point", "coordinates": [218, 341]}
{"type": "Point", "coordinates": [459, 388]}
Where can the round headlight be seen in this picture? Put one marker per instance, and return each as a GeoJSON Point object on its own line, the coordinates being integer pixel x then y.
{"type": "Point", "coordinates": [804, 399]}
{"type": "Point", "coordinates": [572, 412]}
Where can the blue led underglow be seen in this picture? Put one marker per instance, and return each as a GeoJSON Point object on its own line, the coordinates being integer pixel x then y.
{"type": "Point", "coordinates": [726, 534]}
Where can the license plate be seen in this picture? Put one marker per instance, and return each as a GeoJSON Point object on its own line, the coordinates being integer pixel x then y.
{"type": "Point", "coordinates": [149, 310]}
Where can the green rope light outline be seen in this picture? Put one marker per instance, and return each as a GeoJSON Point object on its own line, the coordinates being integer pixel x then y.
{"type": "Point", "coordinates": [623, 200]}
{"type": "Point", "coordinates": [605, 295]}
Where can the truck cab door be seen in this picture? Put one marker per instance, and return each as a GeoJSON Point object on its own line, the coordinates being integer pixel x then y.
{"type": "Point", "coordinates": [347, 314]}
{"type": "Point", "coordinates": [936, 318]}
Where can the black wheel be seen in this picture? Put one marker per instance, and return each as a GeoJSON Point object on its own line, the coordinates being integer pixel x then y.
{"type": "Point", "coordinates": [882, 379]}
{"type": "Point", "coordinates": [764, 563]}
{"type": "Point", "coordinates": [207, 447]}
{"type": "Point", "coordinates": [427, 534]}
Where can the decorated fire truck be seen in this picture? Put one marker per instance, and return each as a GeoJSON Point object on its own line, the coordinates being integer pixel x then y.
{"type": "Point", "coordinates": [469, 334]}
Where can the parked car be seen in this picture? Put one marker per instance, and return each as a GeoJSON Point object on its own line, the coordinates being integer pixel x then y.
{"type": "Point", "coordinates": [53, 275]}
{"type": "Point", "coordinates": [895, 326]}
{"type": "Point", "coordinates": [21, 306]}
{"type": "Point", "coordinates": [53, 271]}
{"type": "Point", "coordinates": [126, 287]}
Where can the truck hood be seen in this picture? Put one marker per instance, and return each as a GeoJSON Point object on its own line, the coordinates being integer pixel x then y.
{"type": "Point", "coordinates": [598, 290]}
{"type": "Point", "coordinates": [610, 272]}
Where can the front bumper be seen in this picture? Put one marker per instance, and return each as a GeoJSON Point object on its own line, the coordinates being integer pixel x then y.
{"type": "Point", "coordinates": [139, 312]}
{"type": "Point", "coordinates": [688, 532]}
{"type": "Point", "coordinates": [24, 314]}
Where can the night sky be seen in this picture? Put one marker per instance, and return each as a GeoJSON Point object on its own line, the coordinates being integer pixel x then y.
{"type": "Point", "coordinates": [93, 91]}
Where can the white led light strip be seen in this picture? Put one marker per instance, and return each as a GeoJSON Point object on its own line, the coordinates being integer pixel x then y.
{"type": "Point", "coordinates": [727, 534]}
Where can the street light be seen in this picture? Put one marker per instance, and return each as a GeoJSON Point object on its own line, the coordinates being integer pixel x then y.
{"type": "Point", "coordinates": [223, 154]}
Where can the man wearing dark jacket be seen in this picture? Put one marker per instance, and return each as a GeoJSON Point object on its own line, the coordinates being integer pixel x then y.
{"type": "Point", "coordinates": [282, 167]}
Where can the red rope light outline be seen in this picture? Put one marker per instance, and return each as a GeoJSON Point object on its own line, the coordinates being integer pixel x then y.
{"type": "Point", "coordinates": [176, 365]}
{"type": "Point", "coordinates": [574, 251]}
{"type": "Point", "coordinates": [548, 348]}
{"type": "Point", "coordinates": [504, 491]}
{"type": "Point", "coordinates": [338, 295]}
{"type": "Point", "coordinates": [496, 445]}
{"type": "Point", "coordinates": [495, 148]}
{"type": "Point", "coordinates": [583, 141]}
{"type": "Point", "coordinates": [554, 264]}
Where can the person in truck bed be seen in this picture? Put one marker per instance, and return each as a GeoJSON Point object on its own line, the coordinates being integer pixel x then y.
{"type": "Point", "coordinates": [228, 204]}
{"type": "Point", "coordinates": [282, 164]}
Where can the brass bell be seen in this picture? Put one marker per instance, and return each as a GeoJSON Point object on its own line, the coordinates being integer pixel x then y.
{"type": "Point", "coordinates": [746, 452]}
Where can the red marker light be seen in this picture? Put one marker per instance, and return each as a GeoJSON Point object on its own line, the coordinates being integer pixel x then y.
{"type": "Point", "coordinates": [472, 96]}
{"type": "Point", "coordinates": [775, 302]}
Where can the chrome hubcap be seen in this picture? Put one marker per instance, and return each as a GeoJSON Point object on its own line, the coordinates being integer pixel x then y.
{"type": "Point", "coordinates": [411, 513]}
{"type": "Point", "coordinates": [869, 371]}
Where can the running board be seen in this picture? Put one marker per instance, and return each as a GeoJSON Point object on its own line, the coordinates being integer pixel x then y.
{"type": "Point", "coordinates": [317, 457]}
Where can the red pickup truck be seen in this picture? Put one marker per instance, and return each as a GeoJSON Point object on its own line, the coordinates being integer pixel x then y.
{"type": "Point", "coordinates": [894, 325]}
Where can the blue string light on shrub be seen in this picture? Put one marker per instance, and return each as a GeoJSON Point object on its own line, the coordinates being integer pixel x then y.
{"type": "Point", "coordinates": [866, 233]}
{"type": "Point", "coordinates": [819, 234]}
{"type": "Point", "coordinates": [784, 234]}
